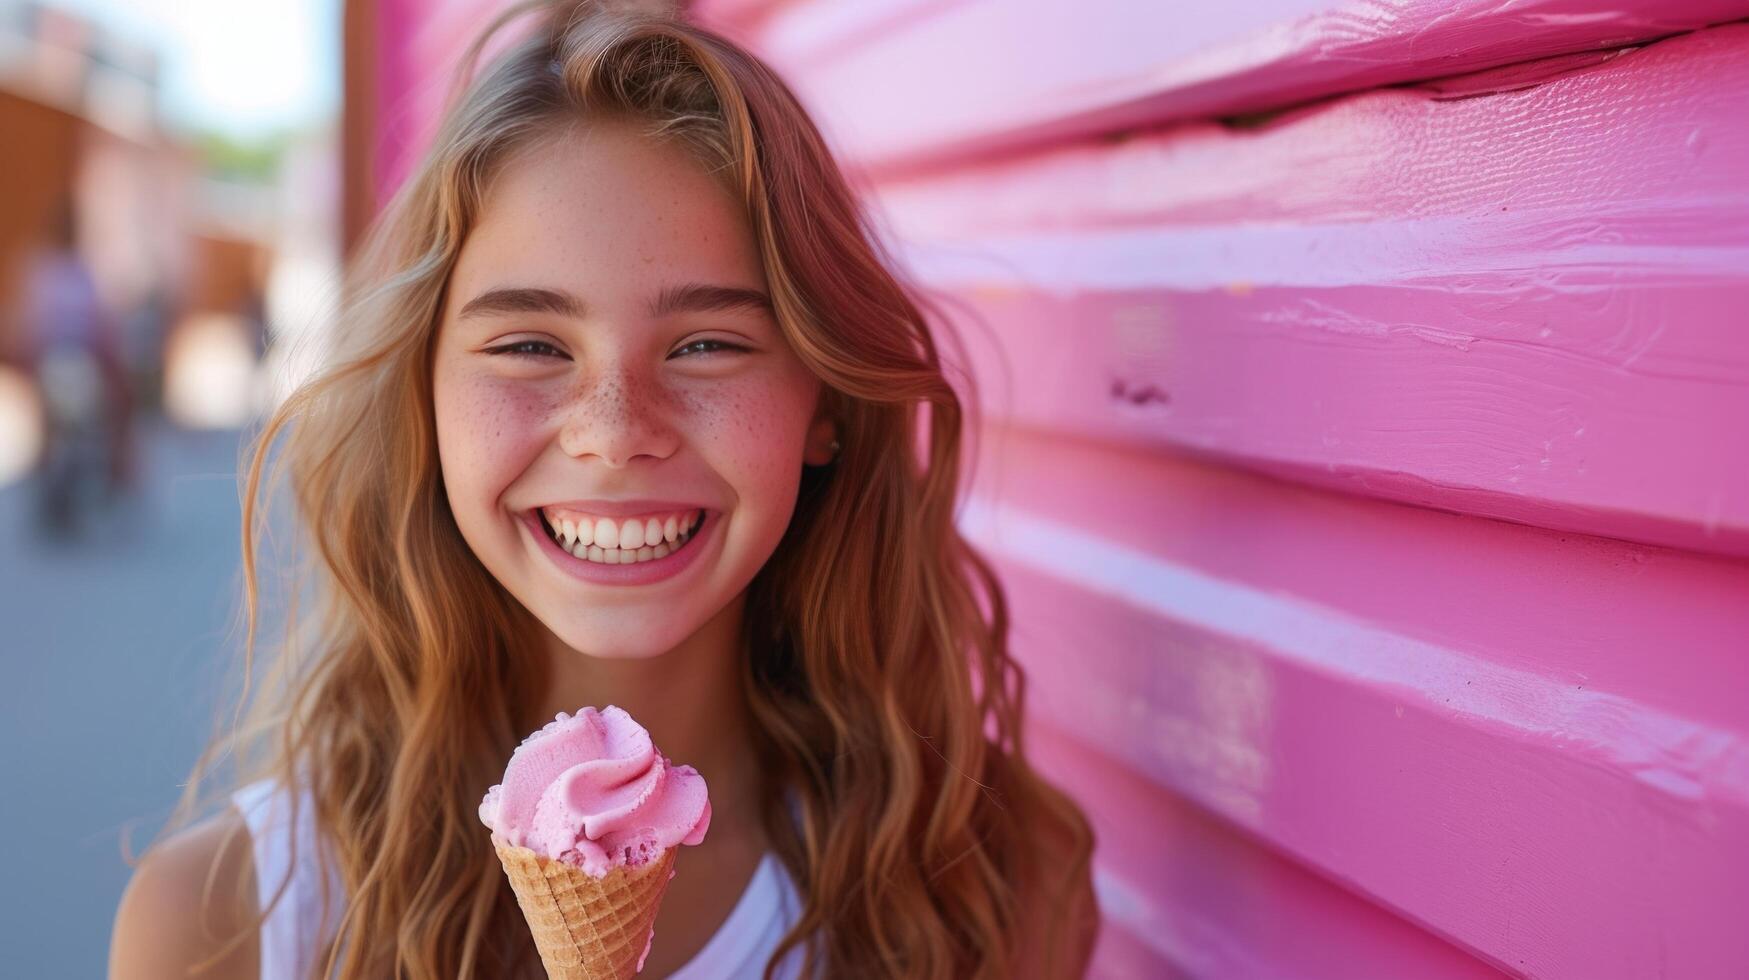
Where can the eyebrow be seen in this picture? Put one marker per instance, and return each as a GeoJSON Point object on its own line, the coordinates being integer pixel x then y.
{"type": "Point", "coordinates": [692, 297]}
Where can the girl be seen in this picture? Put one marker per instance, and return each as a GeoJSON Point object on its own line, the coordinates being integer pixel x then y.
{"type": "Point", "coordinates": [627, 294]}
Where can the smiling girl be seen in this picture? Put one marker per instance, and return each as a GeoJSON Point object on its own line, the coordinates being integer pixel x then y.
{"type": "Point", "coordinates": [626, 406]}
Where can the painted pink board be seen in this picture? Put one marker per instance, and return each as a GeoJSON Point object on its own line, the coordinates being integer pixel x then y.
{"type": "Point", "coordinates": [1533, 744]}
{"type": "Point", "coordinates": [924, 83]}
{"type": "Point", "coordinates": [1529, 305]}
{"type": "Point", "coordinates": [1186, 894]}
{"type": "Point", "coordinates": [423, 42]}
{"type": "Point", "coordinates": [983, 75]}
{"type": "Point", "coordinates": [401, 132]}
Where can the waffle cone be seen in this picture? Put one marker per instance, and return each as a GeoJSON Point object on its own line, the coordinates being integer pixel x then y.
{"type": "Point", "coordinates": [587, 928]}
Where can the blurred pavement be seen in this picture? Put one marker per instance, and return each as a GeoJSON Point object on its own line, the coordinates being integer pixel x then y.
{"type": "Point", "coordinates": [114, 649]}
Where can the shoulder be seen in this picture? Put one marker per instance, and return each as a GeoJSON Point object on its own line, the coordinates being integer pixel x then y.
{"type": "Point", "coordinates": [155, 937]}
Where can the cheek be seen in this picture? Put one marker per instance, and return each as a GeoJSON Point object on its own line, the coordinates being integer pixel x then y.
{"type": "Point", "coordinates": [755, 434]}
{"type": "Point", "coordinates": [484, 426]}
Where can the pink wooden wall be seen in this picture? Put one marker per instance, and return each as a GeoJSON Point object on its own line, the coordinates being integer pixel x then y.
{"type": "Point", "coordinates": [1366, 447]}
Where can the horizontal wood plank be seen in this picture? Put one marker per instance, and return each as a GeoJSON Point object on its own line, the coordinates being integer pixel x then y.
{"type": "Point", "coordinates": [1479, 726]}
{"type": "Point", "coordinates": [1529, 306]}
{"type": "Point", "coordinates": [1185, 894]}
{"type": "Point", "coordinates": [908, 85]}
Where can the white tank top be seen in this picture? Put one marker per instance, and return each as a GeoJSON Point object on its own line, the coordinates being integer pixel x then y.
{"type": "Point", "coordinates": [292, 934]}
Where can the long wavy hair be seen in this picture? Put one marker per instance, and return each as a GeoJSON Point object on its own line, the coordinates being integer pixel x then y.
{"type": "Point", "coordinates": [876, 659]}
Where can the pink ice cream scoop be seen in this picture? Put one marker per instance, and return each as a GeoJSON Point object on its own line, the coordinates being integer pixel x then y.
{"type": "Point", "coordinates": [591, 790]}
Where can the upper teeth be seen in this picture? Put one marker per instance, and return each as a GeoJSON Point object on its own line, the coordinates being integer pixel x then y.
{"type": "Point", "coordinates": [573, 528]}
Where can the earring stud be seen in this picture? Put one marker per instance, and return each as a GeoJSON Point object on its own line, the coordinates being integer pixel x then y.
{"type": "Point", "coordinates": [835, 447]}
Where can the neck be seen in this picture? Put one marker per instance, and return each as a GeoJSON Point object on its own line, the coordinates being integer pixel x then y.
{"type": "Point", "coordinates": [689, 699]}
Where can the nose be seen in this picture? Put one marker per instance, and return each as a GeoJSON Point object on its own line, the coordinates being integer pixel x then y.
{"type": "Point", "coordinates": [618, 416]}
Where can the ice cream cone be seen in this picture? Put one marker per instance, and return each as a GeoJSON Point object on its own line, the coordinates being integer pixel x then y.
{"type": "Point", "coordinates": [586, 822]}
{"type": "Point", "coordinates": [587, 928]}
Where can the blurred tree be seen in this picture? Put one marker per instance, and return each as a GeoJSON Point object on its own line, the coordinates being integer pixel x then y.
{"type": "Point", "coordinates": [254, 161]}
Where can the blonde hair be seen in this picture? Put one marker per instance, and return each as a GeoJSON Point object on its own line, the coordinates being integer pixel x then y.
{"type": "Point", "coordinates": [877, 665]}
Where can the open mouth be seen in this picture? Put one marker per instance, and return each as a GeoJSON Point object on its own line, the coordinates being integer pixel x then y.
{"type": "Point", "coordinates": [574, 544]}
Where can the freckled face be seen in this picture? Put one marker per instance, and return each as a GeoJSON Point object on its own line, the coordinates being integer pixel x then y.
{"type": "Point", "coordinates": [618, 402]}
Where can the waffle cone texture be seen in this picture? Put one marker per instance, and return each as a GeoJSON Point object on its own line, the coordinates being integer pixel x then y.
{"type": "Point", "coordinates": [587, 928]}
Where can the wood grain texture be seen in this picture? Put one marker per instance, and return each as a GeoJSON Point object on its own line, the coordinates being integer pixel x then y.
{"type": "Point", "coordinates": [1529, 305]}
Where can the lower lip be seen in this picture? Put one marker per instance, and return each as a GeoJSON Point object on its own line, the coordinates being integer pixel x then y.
{"type": "Point", "coordinates": [641, 573]}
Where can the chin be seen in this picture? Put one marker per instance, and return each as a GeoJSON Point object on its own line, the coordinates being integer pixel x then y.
{"type": "Point", "coordinates": [630, 641]}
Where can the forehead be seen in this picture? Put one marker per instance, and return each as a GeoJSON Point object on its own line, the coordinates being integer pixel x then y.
{"type": "Point", "coordinates": [610, 214]}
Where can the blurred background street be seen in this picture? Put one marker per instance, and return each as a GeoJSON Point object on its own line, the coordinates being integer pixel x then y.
{"type": "Point", "coordinates": [171, 188]}
{"type": "Point", "coordinates": [104, 709]}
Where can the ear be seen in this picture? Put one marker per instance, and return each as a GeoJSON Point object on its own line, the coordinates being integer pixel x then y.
{"type": "Point", "coordinates": [821, 433]}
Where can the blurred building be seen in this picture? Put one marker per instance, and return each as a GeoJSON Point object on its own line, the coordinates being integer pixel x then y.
{"type": "Point", "coordinates": [191, 262]}
{"type": "Point", "coordinates": [79, 118]}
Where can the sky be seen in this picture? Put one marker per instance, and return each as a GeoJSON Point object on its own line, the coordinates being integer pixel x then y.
{"type": "Point", "coordinates": [245, 67]}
